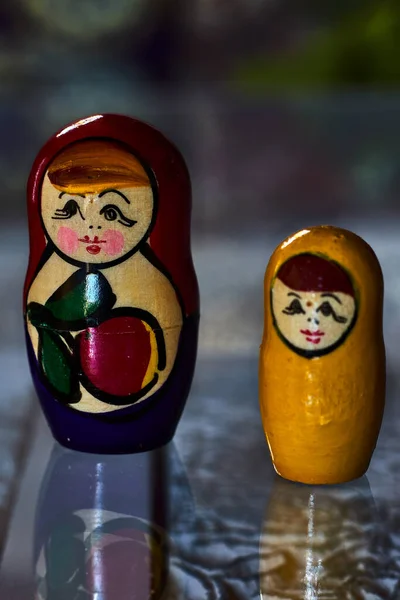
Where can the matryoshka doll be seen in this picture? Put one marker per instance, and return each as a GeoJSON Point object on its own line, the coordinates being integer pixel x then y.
{"type": "Point", "coordinates": [322, 359]}
{"type": "Point", "coordinates": [111, 296]}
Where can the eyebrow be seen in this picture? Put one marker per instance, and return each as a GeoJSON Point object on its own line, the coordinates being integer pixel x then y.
{"type": "Point", "coordinates": [114, 192]}
{"type": "Point", "coordinates": [294, 294]}
{"type": "Point", "coordinates": [62, 194]}
{"type": "Point", "coordinates": [331, 296]}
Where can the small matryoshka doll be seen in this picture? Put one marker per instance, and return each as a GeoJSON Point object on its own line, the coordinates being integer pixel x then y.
{"type": "Point", "coordinates": [322, 360]}
{"type": "Point", "coordinates": [111, 296]}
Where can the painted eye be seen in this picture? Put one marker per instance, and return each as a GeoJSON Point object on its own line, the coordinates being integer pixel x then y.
{"type": "Point", "coordinates": [325, 309]}
{"type": "Point", "coordinates": [110, 213]}
{"type": "Point", "coordinates": [70, 210]}
{"type": "Point", "coordinates": [113, 213]}
{"type": "Point", "coordinates": [294, 308]}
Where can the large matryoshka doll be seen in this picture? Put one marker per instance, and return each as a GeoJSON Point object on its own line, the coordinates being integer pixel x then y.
{"type": "Point", "coordinates": [111, 296]}
{"type": "Point", "coordinates": [322, 360]}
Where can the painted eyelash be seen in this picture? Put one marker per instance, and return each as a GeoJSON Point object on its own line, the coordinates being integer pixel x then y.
{"type": "Point", "coordinates": [71, 208]}
{"type": "Point", "coordinates": [294, 308]}
{"type": "Point", "coordinates": [340, 319]}
{"type": "Point", "coordinates": [127, 222]}
{"type": "Point", "coordinates": [332, 313]}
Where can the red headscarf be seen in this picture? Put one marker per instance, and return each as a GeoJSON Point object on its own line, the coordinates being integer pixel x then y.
{"type": "Point", "coordinates": [312, 273]}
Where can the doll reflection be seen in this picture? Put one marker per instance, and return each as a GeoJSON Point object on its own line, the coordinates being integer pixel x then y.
{"type": "Point", "coordinates": [317, 541]}
{"type": "Point", "coordinates": [101, 527]}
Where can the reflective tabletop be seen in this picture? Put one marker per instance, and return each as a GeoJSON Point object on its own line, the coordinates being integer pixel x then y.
{"type": "Point", "coordinates": [204, 517]}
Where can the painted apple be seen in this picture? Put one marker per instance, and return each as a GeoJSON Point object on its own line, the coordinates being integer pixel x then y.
{"type": "Point", "coordinates": [115, 355]}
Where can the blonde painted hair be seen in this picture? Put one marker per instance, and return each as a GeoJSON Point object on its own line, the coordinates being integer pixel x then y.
{"type": "Point", "coordinates": [90, 166]}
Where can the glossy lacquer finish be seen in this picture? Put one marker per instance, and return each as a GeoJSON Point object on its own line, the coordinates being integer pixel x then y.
{"type": "Point", "coordinates": [102, 526]}
{"type": "Point", "coordinates": [322, 359]}
{"type": "Point", "coordinates": [111, 296]}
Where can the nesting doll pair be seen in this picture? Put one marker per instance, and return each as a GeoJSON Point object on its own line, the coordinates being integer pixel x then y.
{"type": "Point", "coordinates": [112, 310]}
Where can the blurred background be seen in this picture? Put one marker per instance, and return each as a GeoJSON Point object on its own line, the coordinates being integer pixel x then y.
{"type": "Point", "coordinates": [288, 115]}
{"type": "Point", "coordinates": [279, 107]}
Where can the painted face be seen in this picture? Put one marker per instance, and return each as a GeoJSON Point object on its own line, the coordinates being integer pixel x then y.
{"type": "Point", "coordinates": [100, 227]}
{"type": "Point", "coordinates": [312, 323]}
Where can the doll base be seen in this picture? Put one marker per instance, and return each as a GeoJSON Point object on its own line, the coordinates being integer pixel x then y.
{"type": "Point", "coordinates": [327, 478]}
{"type": "Point", "coordinates": [125, 447]}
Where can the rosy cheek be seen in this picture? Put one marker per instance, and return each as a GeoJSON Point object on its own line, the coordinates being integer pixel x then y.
{"type": "Point", "coordinates": [115, 242]}
{"type": "Point", "coordinates": [67, 240]}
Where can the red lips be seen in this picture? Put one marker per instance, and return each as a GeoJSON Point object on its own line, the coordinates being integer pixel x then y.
{"type": "Point", "coordinates": [312, 336]}
{"type": "Point", "coordinates": [94, 247]}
